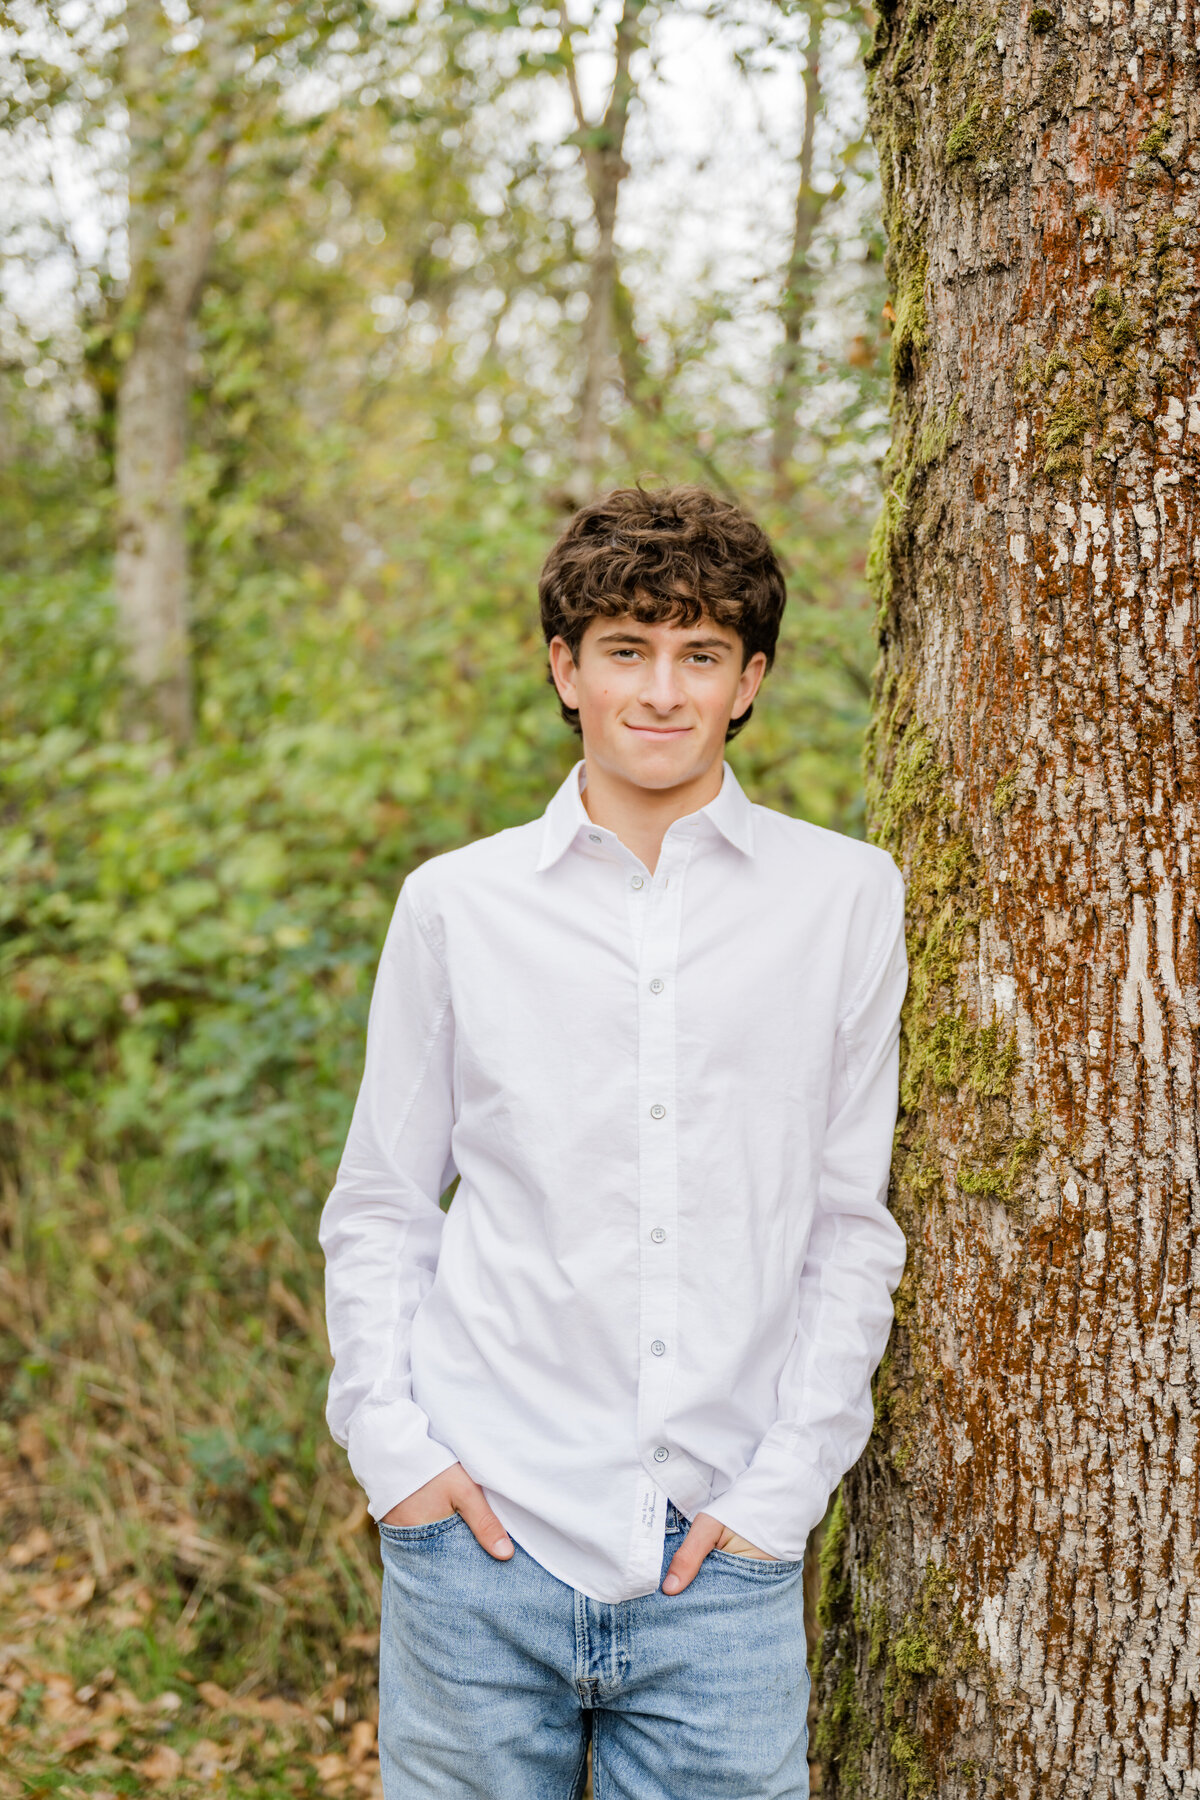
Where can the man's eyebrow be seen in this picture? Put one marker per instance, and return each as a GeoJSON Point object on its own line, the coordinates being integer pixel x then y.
{"type": "Point", "coordinates": [640, 637]}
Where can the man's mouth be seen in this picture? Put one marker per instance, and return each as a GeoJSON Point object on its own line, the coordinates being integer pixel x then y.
{"type": "Point", "coordinates": [659, 731]}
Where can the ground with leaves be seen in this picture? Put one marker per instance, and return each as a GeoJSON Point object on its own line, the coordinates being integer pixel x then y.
{"type": "Point", "coordinates": [73, 1724]}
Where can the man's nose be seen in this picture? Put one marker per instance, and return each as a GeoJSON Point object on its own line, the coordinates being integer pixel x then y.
{"type": "Point", "coordinates": [662, 689]}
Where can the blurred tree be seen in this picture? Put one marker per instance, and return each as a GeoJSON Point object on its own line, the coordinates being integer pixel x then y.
{"type": "Point", "coordinates": [179, 92]}
{"type": "Point", "coordinates": [601, 143]}
{"type": "Point", "coordinates": [799, 283]}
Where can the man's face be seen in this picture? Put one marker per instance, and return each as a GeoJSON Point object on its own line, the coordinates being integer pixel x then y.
{"type": "Point", "coordinates": [654, 701]}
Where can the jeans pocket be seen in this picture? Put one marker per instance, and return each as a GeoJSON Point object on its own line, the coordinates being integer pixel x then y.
{"type": "Point", "coordinates": [766, 1567]}
{"type": "Point", "coordinates": [417, 1534]}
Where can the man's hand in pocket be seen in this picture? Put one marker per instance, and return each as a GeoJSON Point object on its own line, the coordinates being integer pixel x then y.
{"type": "Point", "coordinates": [706, 1534]}
{"type": "Point", "coordinates": [453, 1491]}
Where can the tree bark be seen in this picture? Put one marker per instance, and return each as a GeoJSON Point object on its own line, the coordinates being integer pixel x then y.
{"type": "Point", "coordinates": [173, 201]}
{"type": "Point", "coordinates": [602, 145]}
{"type": "Point", "coordinates": [1011, 1596]}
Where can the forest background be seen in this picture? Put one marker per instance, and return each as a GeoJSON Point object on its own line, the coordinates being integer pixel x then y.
{"type": "Point", "coordinates": [410, 353]}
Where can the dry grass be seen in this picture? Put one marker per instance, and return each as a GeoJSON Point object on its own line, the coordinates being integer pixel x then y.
{"type": "Point", "coordinates": [189, 1587]}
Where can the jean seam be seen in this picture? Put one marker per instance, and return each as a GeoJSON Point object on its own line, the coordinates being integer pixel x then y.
{"type": "Point", "coordinates": [583, 1648]}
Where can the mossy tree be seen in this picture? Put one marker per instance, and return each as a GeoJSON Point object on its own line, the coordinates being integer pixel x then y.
{"type": "Point", "coordinates": [1011, 1596]}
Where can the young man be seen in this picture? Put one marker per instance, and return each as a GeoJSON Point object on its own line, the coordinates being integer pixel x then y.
{"type": "Point", "coordinates": [598, 1406]}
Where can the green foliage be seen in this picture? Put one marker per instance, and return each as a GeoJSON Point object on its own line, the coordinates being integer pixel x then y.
{"type": "Point", "coordinates": [378, 438]}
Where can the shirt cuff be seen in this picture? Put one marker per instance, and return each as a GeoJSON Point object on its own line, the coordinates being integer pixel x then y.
{"type": "Point", "coordinates": [774, 1504]}
{"type": "Point", "coordinates": [392, 1454]}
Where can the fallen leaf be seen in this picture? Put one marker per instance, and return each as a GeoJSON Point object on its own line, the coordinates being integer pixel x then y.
{"type": "Point", "coordinates": [361, 1640]}
{"type": "Point", "coordinates": [162, 1764]}
{"type": "Point", "coordinates": [362, 1741]}
{"type": "Point", "coordinates": [330, 1766]}
{"type": "Point", "coordinates": [64, 1596]}
{"type": "Point", "coordinates": [278, 1711]}
{"type": "Point", "coordinates": [31, 1548]}
{"type": "Point", "coordinates": [78, 1736]}
{"type": "Point", "coordinates": [206, 1759]}
{"type": "Point", "coordinates": [274, 1708]}
{"type": "Point", "coordinates": [63, 1709]}
{"type": "Point", "coordinates": [111, 1706]}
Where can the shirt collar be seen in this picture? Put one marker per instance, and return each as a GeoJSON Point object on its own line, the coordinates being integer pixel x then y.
{"type": "Point", "coordinates": [730, 813]}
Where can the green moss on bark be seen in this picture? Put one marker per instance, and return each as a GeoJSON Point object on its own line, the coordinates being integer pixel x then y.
{"type": "Point", "coordinates": [933, 1645]}
{"type": "Point", "coordinates": [843, 1734]}
{"type": "Point", "coordinates": [910, 329]}
{"type": "Point", "coordinates": [964, 136]}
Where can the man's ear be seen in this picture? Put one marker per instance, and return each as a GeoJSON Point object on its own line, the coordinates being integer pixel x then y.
{"type": "Point", "coordinates": [749, 683]}
{"type": "Point", "coordinates": [562, 668]}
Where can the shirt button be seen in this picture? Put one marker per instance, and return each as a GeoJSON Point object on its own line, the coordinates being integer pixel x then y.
{"type": "Point", "coordinates": [635, 881]}
{"type": "Point", "coordinates": [658, 1348]}
{"type": "Point", "coordinates": [595, 837]}
{"type": "Point", "coordinates": [661, 1454]}
{"type": "Point", "coordinates": [656, 986]}
{"type": "Point", "coordinates": [658, 1235]}
{"type": "Point", "coordinates": [658, 1112]}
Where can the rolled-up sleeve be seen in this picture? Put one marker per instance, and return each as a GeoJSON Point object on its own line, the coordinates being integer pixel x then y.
{"type": "Point", "coordinates": [381, 1226]}
{"type": "Point", "coordinates": [855, 1258]}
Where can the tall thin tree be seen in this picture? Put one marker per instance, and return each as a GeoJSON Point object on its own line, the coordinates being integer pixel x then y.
{"type": "Point", "coordinates": [797, 297]}
{"type": "Point", "coordinates": [1011, 1582]}
{"type": "Point", "coordinates": [602, 144]}
{"type": "Point", "coordinates": [180, 113]}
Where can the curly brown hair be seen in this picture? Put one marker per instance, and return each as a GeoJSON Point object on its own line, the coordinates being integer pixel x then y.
{"type": "Point", "coordinates": [671, 556]}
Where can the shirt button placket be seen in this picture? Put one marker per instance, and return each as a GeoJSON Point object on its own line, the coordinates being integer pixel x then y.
{"type": "Point", "coordinates": [658, 1173]}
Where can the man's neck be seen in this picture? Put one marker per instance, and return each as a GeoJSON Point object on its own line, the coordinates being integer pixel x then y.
{"type": "Point", "coordinates": [640, 816]}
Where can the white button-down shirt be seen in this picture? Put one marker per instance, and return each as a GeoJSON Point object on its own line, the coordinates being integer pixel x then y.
{"type": "Point", "coordinates": [667, 1270]}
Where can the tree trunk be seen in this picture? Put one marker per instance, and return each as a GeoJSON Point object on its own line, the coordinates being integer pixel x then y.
{"type": "Point", "coordinates": [1012, 1599]}
{"type": "Point", "coordinates": [797, 289]}
{"type": "Point", "coordinates": [602, 146]}
{"type": "Point", "coordinates": [172, 214]}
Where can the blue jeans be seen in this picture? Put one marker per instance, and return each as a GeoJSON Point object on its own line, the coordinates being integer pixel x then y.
{"type": "Point", "coordinates": [493, 1676]}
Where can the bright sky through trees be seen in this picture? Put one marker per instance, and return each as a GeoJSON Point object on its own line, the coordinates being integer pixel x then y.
{"type": "Point", "coordinates": [705, 210]}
